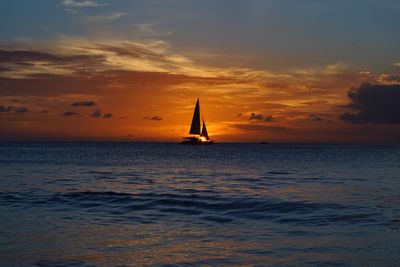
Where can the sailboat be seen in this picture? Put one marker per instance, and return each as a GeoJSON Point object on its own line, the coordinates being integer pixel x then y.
{"type": "Point", "coordinates": [198, 135]}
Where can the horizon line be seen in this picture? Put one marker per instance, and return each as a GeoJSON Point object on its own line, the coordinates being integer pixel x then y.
{"type": "Point", "coordinates": [177, 142]}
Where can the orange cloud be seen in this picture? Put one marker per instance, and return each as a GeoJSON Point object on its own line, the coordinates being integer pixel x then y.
{"type": "Point", "coordinates": [132, 80]}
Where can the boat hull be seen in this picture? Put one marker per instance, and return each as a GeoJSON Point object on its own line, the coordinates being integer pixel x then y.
{"type": "Point", "coordinates": [196, 141]}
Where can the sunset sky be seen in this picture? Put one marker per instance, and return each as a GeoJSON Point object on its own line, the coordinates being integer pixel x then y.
{"type": "Point", "coordinates": [276, 71]}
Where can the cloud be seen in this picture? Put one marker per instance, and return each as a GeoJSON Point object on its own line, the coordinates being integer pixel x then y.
{"type": "Point", "coordinates": [27, 63]}
{"type": "Point", "coordinates": [375, 104]}
{"type": "Point", "coordinates": [254, 116]}
{"type": "Point", "coordinates": [21, 110]}
{"type": "Point", "coordinates": [315, 117]}
{"type": "Point", "coordinates": [70, 113]}
{"type": "Point", "coordinates": [153, 118]}
{"type": "Point", "coordinates": [28, 57]}
{"type": "Point", "coordinates": [6, 109]}
{"type": "Point", "coordinates": [107, 17]}
{"type": "Point", "coordinates": [269, 119]}
{"type": "Point", "coordinates": [9, 109]}
{"type": "Point", "coordinates": [74, 56]}
{"type": "Point", "coordinates": [84, 104]}
{"type": "Point", "coordinates": [148, 30]}
{"type": "Point", "coordinates": [336, 69]}
{"type": "Point", "coordinates": [96, 113]}
{"type": "Point", "coordinates": [77, 4]}
{"type": "Point", "coordinates": [397, 64]}
{"type": "Point", "coordinates": [389, 78]}
{"type": "Point", "coordinates": [260, 117]}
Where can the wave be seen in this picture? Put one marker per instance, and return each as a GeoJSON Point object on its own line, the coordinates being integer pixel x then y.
{"type": "Point", "coordinates": [208, 208]}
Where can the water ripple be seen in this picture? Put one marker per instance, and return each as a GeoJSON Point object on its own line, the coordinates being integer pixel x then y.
{"type": "Point", "coordinates": [209, 208]}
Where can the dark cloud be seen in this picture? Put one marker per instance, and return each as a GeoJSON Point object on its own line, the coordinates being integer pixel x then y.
{"type": "Point", "coordinates": [70, 113]}
{"type": "Point", "coordinates": [96, 113]}
{"type": "Point", "coordinates": [315, 117]}
{"type": "Point", "coordinates": [254, 116]}
{"type": "Point", "coordinates": [378, 104]}
{"type": "Point", "coordinates": [25, 57]}
{"type": "Point", "coordinates": [6, 109]}
{"type": "Point", "coordinates": [260, 117]}
{"type": "Point", "coordinates": [89, 103]}
{"type": "Point", "coordinates": [153, 118]}
{"type": "Point", "coordinates": [21, 110]}
{"type": "Point", "coordinates": [269, 119]}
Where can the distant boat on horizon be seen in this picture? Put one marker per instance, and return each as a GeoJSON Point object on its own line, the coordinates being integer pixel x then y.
{"type": "Point", "coordinates": [198, 135]}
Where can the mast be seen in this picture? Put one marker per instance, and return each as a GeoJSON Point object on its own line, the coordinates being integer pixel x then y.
{"type": "Point", "coordinates": [195, 127]}
{"type": "Point", "coordinates": [204, 130]}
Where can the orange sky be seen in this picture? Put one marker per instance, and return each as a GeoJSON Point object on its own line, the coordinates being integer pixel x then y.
{"type": "Point", "coordinates": [150, 86]}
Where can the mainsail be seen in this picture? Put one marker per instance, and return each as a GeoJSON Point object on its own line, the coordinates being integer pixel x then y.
{"type": "Point", "coordinates": [195, 127]}
{"type": "Point", "coordinates": [204, 131]}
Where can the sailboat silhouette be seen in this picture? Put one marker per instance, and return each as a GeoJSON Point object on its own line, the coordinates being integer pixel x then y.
{"type": "Point", "coordinates": [199, 135]}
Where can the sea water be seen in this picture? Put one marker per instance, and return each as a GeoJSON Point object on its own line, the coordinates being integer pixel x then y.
{"type": "Point", "coordinates": [161, 204]}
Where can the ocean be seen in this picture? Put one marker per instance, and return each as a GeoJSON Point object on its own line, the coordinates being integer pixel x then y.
{"type": "Point", "coordinates": [165, 204]}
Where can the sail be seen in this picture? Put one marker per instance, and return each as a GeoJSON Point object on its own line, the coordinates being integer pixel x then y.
{"type": "Point", "coordinates": [204, 131]}
{"type": "Point", "coordinates": [195, 127]}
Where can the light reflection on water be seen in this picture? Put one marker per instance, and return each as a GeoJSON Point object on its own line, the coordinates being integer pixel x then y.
{"type": "Point", "coordinates": [90, 204]}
